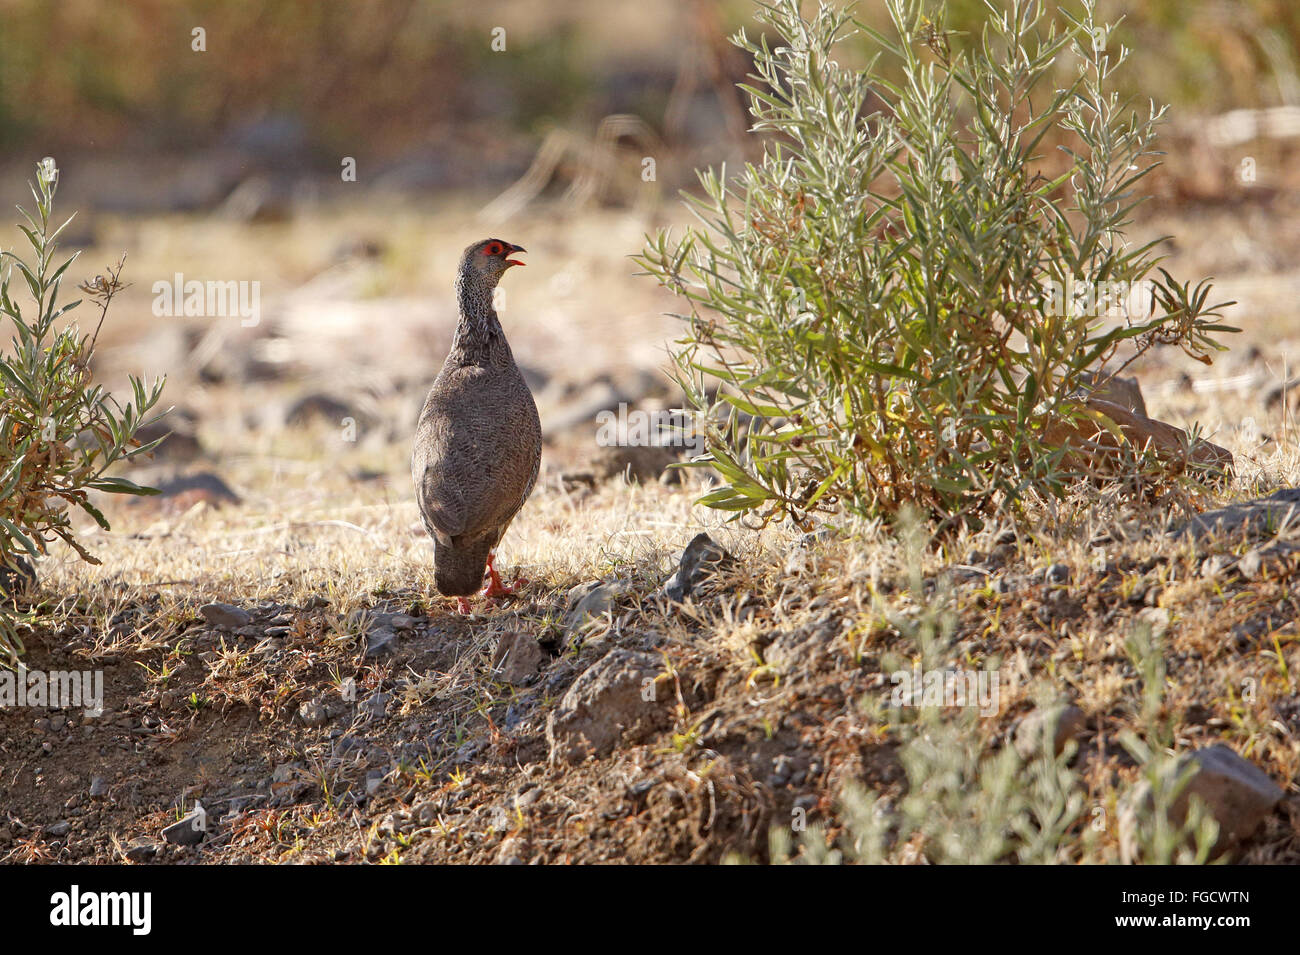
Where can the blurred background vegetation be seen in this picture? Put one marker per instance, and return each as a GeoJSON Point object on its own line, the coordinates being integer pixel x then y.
{"type": "Point", "coordinates": [414, 90]}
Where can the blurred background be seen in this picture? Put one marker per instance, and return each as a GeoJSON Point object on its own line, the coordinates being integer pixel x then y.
{"type": "Point", "coordinates": [214, 142]}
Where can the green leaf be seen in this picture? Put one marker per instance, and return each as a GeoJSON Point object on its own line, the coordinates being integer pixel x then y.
{"type": "Point", "coordinates": [117, 485]}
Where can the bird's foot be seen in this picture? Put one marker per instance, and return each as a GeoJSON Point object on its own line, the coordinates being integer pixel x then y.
{"type": "Point", "coordinates": [495, 588]}
{"type": "Point", "coordinates": [463, 608]}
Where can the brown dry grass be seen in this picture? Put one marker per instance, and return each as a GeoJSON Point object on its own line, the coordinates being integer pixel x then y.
{"type": "Point", "coordinates": [195, 714]}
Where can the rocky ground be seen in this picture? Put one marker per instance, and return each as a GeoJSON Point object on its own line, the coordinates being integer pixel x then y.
{"type": "Point", "coordinates": [273, 650]}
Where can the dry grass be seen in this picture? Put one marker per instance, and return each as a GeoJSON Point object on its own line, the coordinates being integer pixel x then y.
{"type": "Point", "coordinates": [779, 693]}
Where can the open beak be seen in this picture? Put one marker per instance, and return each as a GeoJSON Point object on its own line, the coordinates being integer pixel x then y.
{"type": "Point", "coordinates": [513, 249]}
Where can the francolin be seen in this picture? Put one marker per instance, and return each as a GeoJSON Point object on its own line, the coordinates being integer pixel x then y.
{"type": "Point", "coordinates": [478, 443]}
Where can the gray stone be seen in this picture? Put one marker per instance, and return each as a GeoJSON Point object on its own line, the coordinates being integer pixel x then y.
{"type": "Point", "coordinates": [1057, 575]}
{"type": "Point", "coordinates": [518, 658]}
{"type": "Point", "coordinates": [800, 650]}
{"type": "Point", "coordinates": [593, 600]}
{"type": "Point", "coordinates": [312, 713]}
{"type": "Point", "coordinates": [1262, 561]}
{"type": "Point", "coordinates": [1264, 515]}
{"type": "Point", "coordinates": [142, 849]}
{"type": "Point", "coordinates": [376, 706]}
{"type": "Point", "coordinates": [285, 773]}
{"type": "Point", "coordinates": [511, 852]}
{"type": "Point", "coordinates": [380, 640]}
{"type": "Point", "coordinates": [188, 831]}
{"type": "Point", "coordinates": [1235, 792]}
{"type": "Point", "coordinates": [1250, 564]}
{"type": "Point", "coordinates": [700, 561]}
{"type": "Point", "coordinates": [1157, 618]}
{"type": "Point", "coordinates": [225, 616]}
{"type": "Point", "coordinates": [614, 696]}
{"type": "Point", "coordinates": [98, 787]}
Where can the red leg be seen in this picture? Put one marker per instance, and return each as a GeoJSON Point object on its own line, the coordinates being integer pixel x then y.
{"type": "Point", "coordinates": [463, 607]}
{"type": "Point", "coordinates": [495, 587]}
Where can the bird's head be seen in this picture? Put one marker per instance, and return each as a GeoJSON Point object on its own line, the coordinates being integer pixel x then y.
{"type": "Point", "coordinates": [487, 261]}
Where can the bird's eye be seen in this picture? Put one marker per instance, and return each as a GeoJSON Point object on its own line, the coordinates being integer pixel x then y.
{"type": "Point", "coordinates": [494, 248]}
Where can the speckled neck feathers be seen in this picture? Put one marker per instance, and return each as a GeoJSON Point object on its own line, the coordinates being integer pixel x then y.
{"type": "Point", "coordinates": [479, 328]}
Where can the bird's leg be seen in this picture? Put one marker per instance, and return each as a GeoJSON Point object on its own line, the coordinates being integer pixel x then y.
{"type": "Point", "coordinates": [463, 607]}
{"type": "Point", "coordinates": [495, 588]}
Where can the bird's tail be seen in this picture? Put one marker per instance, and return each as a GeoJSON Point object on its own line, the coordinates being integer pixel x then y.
{"type": "Point", "coordinates": [458, 567]}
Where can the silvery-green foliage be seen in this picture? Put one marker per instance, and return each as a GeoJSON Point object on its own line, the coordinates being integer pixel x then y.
{"type": "Point", "coordinates": [59, 433]}
{"type": "Point", "coordinates": [883, 311]}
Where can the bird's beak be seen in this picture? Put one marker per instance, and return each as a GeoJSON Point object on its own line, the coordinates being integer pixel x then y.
{"type": "Point", "coordinates": [513, 249]}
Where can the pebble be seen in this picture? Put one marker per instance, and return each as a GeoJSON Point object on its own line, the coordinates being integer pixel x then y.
{"type": "Point", "coordinates": [225, 615]}
{"type": "Point", "coordinates": [313, 714]}
{"type": "Point", "coordinates": [379, 641]}
{"type": "Point", "coordinates": [1057, 575]}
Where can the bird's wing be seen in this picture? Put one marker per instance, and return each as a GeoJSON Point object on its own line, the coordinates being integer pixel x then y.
{"type": "Point", "coordinates": [441, 504]}
{"type": "Point", "coordinates": [477, 452]}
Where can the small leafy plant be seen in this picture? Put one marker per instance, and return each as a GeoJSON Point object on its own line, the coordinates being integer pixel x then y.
{"type": "Point", "coordinates": [59, 433]}
{"type": "Point", "coordinates": [907, 300]}
{"type": "Point", "coordinates": [973, 800]}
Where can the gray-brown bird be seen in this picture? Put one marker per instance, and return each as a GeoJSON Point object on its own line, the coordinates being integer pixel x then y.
{"type": "Point", "coordinates": [478, 443]}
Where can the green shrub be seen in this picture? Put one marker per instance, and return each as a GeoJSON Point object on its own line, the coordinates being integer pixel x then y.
{"type": "Point", "coordinates": [61, 433]}
{"type": "Point", "coordinates": [903, 300]}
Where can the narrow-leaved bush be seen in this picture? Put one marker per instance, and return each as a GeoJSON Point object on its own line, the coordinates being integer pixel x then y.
{"type": "Point", "coordinates": [59, 432]}
{"type": "Point", "coordinates": [903, 302]}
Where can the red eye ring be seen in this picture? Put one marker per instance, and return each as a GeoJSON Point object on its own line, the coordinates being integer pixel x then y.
{"type": "Point", "coordinates": [493, 248]}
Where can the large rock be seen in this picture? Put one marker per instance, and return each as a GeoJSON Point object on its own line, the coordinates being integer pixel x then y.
{"type": "Point", "coordinates": [1125, 392]}
{"type": "Point", "coordinates": [1096, 446]}
{"type": "Point", "coordinates": [1235, 792]}
{"type": "Point", "coordinates": [1264, 515]}
{"type": "Point", "coordinates": [616, 695]}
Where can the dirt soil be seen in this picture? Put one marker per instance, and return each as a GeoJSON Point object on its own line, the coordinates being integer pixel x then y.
{"type": "Point", "coordinates": [353, 716]}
